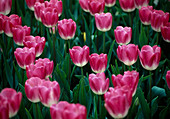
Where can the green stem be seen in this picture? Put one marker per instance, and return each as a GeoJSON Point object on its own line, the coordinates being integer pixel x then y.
{"type": "Point", "coordinates": [100, 106]}
{"type": "Point", "coordinates": [69, 61]}
{"type": "Point", "coordinates": [36, 106]}
{"type": "Point", "coordinates": [82, 71]}
{"type": "Point", "coordinates": [148, 34]}
{"type": "Point", "coordinates": [41, 28]}
{"type": "Point", "coordinates": [130, 68]}
{"type": "Point", "coordinates": [54, 48]}
{"type": "Point", "coordinates": [150, 88]}
{"type": "Point", "coordinates": [104, 42]}
{"type": "Point", "coordinates": [13, 70]}
{"type": "Point", "coordinates": [90, 32]}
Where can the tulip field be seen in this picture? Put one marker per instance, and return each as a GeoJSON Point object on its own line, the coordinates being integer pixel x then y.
{"type": "Point", "coordinates": [84, 59]}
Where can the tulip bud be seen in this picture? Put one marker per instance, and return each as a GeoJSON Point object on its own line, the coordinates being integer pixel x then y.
{"type": "Point", "coordinates": [127, 54]}
{"type": "Point", "coordinates": [150, 57]}
{"type": "Point", "coordinates": [37, 42]}
{"type": "Point", "coordinates": [145, 15]}
{"type": "Point", "coordinates": [98, 63]}
{"type": "Point", "coordinates": [123, 35]}
{"type": "Point", "coordinates": [31, 3]}
{"type": "Point", "coordinates": [127, 5]}
{"type": "Point", "coordinates": [140, 3]}
{"type": "Point", "coordinates": [110, 3]}
{"type": "Point", "coordinates": [168, 78]}
{"type": "Point", "coordinates": [79, 56]}
{"type": "Point", "coordinates": [165, 30]}
{"type": "Point", "coordinates": [107, 24]}
{"type": "Point", "coordinates": [5, 6]}
{"type": "Point", "coordinates": [84, 5]}
{"type": "Point", "coordinates": [98, 83]}
{"type": "Point", "coordinates": [96, 6]}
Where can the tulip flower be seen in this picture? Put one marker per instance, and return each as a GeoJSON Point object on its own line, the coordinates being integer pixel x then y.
{"type": "Point", "coordinates": [10, 22]}
{"type": "Point", "coordinates": [2, 17]}
{"type": "Point", "coordinates": [31, 3]}
{"type": "Point", "coordinates": [49, 17]}
{"type": "Point", "coordinates": [66, 28]}
{"type": "Point", "coordinates": [110, 3]}
{"type": "Point", "coordinates": [107, 24]}
{"type": "Point", "coordinates": [140, 3]}
{"type": "Point", "coordinates": [4, 110]}
{"type": "Point", "coordinates": [96, 6]}
{"type": "Point", "coordinates": [98, 83]}
{"type": "Point", "coordinates": [37, 8]}
{"type": "Point", "coordinates": [58, 4]}
{"type": "Point", "coordinates": [98, 63]}
{"type": "Point", "coordinates": [130, 78]}
{"type": "Point", "coordinates": [150, 57]}
{"type": "Point", "coordinates": [127, 5]}
{"type": "Point", "coordinates": [158, 19]}
{"type": "Point", "coordinates": [32, 89]}
{"type": "Point", "coordinates": [12, 99]}
{"type": "Point", "coordinates": [165, 30]}
{"type": "Point", "coordinates": [19, 34]}
{"type": "Point", "coordinates": [25, 56]}
{"type": "Point", "coordinates": [65, 110]}
{"type": "Point", "coordinates": [123, 35]}
{"type": "Point", "coordinates": [127, 54]}
{"type": "Point", "coordinates": [145, 14]}
{"type": "Point", "coordinates": [168, 78]}
{"type": "Point", "coordinates": [49, 93]}
{"type": "Point", "coordinates": [5, 6]}
{"type": "Point", "coordinates": [118, 101]}
{"type": "Point", "coordinates": [42, 68]}
{"type": "Point", "coordinates": [84, 5]}
{"type": "Point", "coordinates": [37, 42]}
{"type": "Point", "coordinates": [79, 56]}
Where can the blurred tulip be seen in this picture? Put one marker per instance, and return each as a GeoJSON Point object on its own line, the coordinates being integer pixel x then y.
{"type": "Point", "coordinates": [130, 78]}
{"type": "Point", "coordinates": [25, 56]}
{"type": "Point", "coordinates": [127, 5]}
{"type": "Point", "coordinates": [31, 3]}
{"type": "Point", "coordinates": [10, 22]}
{"type": "Point", "coordinates": [42, 68]}
{"type": "Point", "coordinates": [49, 16]}
{"type": "Point", "coordinates": [150, 57]}
{"type": "Point", "coordinates": [118, 101]}
{"type": "Point", "coordinates": [79, 56]}
{"type": "Point", "coordinates": [165, 30]}
{"type": "Point", "coordinates": [19, 34]}
{"type": "Point", "coordinates": [98, 83]}
{"type": "Point", "coordinates": [158, 19]}
{"type": "Point", "coordinates": [4, 110]}
{"type": "Point", "coordinates": [168, 78]}
{"type": "Point", "coordinates": [12, 99]}
{"type": "Point", "coordinates": [37, 42]}
{"type": "Point", "coordinates": [49, 93]}
{"type": "Point", "coordinates": [140, 3]}
{"type": "Point", "coordinates": [66, 28]}
{"type": "Point", "coordinates": [96, 6]}
{"type": "Point", "coordinates": [123, 35]}
{"type": "Point", "coordinates": [107, 24]}
{"type": "Point", "coordinates": [127, 54]}
{"type": "Point", "coordinates": [98, 63]}
{"type": "Point", "coordinates": [5, 6]}
{"type": "Point", "coordinates": [58, 4]}
{"type": "Point", "coordinates": [84, 5]}
{"type": "Point", "coordinates": [32, 89]}
{"type": "Point", "coordinates": [37, 8]}
{"type": "Point", "coordinates": [110, 3]}
{"type": "Point", "coordinates": [2, 17]}
{"type": "Point", "coordinates": [145, 14]}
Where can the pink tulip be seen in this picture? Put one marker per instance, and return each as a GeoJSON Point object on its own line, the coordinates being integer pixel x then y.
{"type": "Point", "coordinates": [150, 57]}
{"type": "Point", "coordinates": [127, 54]}
{"type": "Point", "coordinates": [158, 19]}
{"type": "Point", "coordinates": [165, 30]}
{"type": "Point", "coordinates": [58, 4]}
{"type": "Point", "coordinates": [84, 5]}
{"type": "Point", "coordinates": [12, 99]}
{"type": "Point", "coordinates": [168, 78]}
{"type": "Point", "coordinates": [107, 24]}
{"type": "Point", "coordinates": [19, 34]}
{"type": "Point", "coordinates": [42, 68]}
{"type": "Point", "coordinates": [66, 28]}
{"type": "Point", "coordinates": [123, 35]}
{"type": "Point", "coordinates": [49, 16]}
{"type": "Point", "coordinates": [145, 14]}
{"type": "Point", "coordinates": [140, 3]}
{"type": "Point", "coordinates": [118, 101]}
{"type": "Point", "coordinates": [37, 42]}
{"type": "Point", "coordinates": [127, 5]}
{"type": "Point", "coordinates": [10, 22]}
{"type": "Point", "coordinates": [98, 63]}
{"type": "Point", "coordinates": [110, 3]}
{"type": "Point", "coordinates": [5, 6]}
{"type": "Point", "coordinates": [2, 17]}
{"type": "Point", "coordinates": [4, 109]}
{"type": "Point", "coordinates": [32, 89]}
{"type": "Point", "coordinates": [98, 83]}
{"type": "Point", "coordinates": [96, 6]}
{"type": "Point", "coordinates": [31, 3]}
{"type": "Point", "coordinates": [37, 8]}
{"type": "Point", "coordinates": [65, 110]}
{"type": "Point", "coordinates": [49, 93]}
{"type": "Point", "coordinates": [25, 56]}
{"type": "Point", "coordinates": [130, 78]}
{"type": "Point", "coordinates": [79, 56]}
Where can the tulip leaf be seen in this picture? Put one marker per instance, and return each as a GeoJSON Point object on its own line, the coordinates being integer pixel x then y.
{"type": "Point", "coordinates": [82, 93]}
{"type": "Point", "coordinates": [110, 54]}
{"type": "Point", "coordinates": [28, 114]}
{"type": "Point", "coordinates": [87, 32]}
{"type": "Point", "coordinates": [157, 91]}
{"type": "Point", "coordinates": [164, 114]}
{"type": "Point", "coordinates": [65, 65]}
{"type": "Point", "coordinates": [154, 106]}
{"type": "Point", "coordinates": [143, 40]}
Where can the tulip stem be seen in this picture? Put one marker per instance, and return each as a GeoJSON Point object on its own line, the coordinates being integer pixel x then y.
{"type": "Point", "coordinates": [90, 32]}
{"type": "Point", "coordinates": [150, 86]}
{"type": "Point", "coordinates": [100, 106]}
{"type": "Point", "coordinates": [82, 71]}
{"type": "Point", "coordinates": [54, 48]}
{"type": "Point", "coordinates": [157, 41]}
{"type": "Point", "coordinates": [148, 34]}
{"type": "Point", "coordinates": [104, 42]}
{"type": "Point", "coordinates": [13, 70]}
{"type": "Point", "coordinates": [69, 60]}
{"type": "Point", "coordinates": [130, 68]}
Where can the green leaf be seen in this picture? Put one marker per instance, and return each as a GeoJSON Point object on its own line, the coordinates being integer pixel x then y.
{"type": "Point", "coordinates": [28, 114]}
{"type": "Point", "coordinates": [154, 105]}
{"type": "Point", "coordinates": [37, 112]}
{"type": "Point", "coordinates": [110, 54]}
{"type": "Point", "coordinates": [82, 93]}
{"type": "Point", "coordinates": [157, 91]}
{"type": "Point", "coordinates": [164, 114]}
{"type": "Point", "coordinates": [143, 40]}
